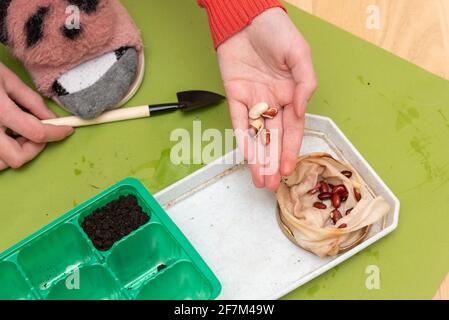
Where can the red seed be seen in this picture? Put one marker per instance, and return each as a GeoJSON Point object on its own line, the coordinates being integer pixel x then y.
{"type": "Point", "coordinates": [315, 189]}
{"type": "Point", "coordinates": [324, 187]}
{"type": "Point", "coordinates": [340, 189]}
{"type": "Point", "coordinates": [336, 200]}
{"type": "Point", "coordinates": [320, 205]}
{"type": "Point", "coordinates": [335, 216]}
{"type": "Point", "coordinates": [342, 226]}
{"type": "Point", "coordinates": [349, 211]}
{"type": "Point", "coordinates": [347, 174]}
{"type": "Point", "coordinates": [270, 113]}
{"type": "Point", "coordinates": [357, 195]}
{"type": "Point", "coordinates": [266, 137]}
{"type": "Point", "coordinates": [325, 196]}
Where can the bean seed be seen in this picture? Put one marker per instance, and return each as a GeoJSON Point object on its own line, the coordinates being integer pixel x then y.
{"type": "Point", "coordinates": [325, 196]}
{"type": "Point", "coordinates": [342, 226]}
{"type": "Point", "coordinates": [315, 189]}
{"type": "Point", "coordinates": [258, 110]}
{"type": "Point", "coordinates": [266, 136]}
{"type": "Point", "coordinates": [270, 113]}
{"type": "Point", "coordinates": [336, 200]}
{"type": "Point", "coordinates": [255, 127]}
{"type": "Point", "coordinates": [357, 194]}
{"type": "Point", "coordinates": [347, 174]}
{"type": "Point", "coordinates": [335, 216]}
{"type": "Point", "coordinates": [340, 189]}
{"type": "Point", "coordinates": [324, 187]}
{"type": "Point", "coordinates": [320, 205]}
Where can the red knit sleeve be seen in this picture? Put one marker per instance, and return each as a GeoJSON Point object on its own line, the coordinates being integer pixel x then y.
{"type": "Point", "coordinates": [227, 17]}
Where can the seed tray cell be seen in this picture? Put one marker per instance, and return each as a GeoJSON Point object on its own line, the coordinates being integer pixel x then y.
{"type": "Point", "coordinates": [60, 262]}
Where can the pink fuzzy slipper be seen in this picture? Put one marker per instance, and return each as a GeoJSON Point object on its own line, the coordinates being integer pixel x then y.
{"type": "Point", "coordinates": [87, 55]}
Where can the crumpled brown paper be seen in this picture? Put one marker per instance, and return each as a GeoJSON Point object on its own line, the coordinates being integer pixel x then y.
{"type": "Point", "coordinates": [312, 228]}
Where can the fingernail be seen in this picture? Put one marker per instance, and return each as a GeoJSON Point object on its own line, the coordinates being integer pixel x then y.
{"type": "Point", "coordinates": [287, 169]}
{"type": "Point", "coordinates": [71, 131]}
{"type": "Point", "coordinates": [50, 114]}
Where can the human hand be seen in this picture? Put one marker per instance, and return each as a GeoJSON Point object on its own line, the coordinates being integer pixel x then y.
{"type": "Point", "coordinates": [34, 135]}
{"type": "Point", "coordinates": [269, 61]}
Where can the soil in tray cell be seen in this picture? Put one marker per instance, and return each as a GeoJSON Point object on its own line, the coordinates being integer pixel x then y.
{"type": "Point", "coordinates": [108, 224]}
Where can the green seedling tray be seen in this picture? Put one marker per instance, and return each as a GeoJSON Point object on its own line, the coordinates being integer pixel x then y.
{"type": "Point", "coordinates": [59, 262]}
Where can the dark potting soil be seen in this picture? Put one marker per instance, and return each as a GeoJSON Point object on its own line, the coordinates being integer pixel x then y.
{"type": "Point", "coordinates": [108, 224]}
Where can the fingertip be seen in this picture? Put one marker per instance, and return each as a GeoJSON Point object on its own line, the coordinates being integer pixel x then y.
{"type": "Point", "coordinates": [57, 133]}
{"type": "Point", "coordinates": [258, 179]}
{"type": "Point", "coordinates": [47, 114]}
{"type": "Point", "coordinates": [300, 105]}
{"type": "Point", "coordinates": [288, 166]}
{"type": "Point", "coordinates": [38, 105]}
{"type": "Point", "coordinates": [69, 130]}
{"type": "Point", "coordinates": [259, 183]}
{"type": "Point", "coordinates": [66, 130]}
{"type": "Point", "coordinates": [273, 182]}
{"type": "Point", "coordinates": [3, 166]}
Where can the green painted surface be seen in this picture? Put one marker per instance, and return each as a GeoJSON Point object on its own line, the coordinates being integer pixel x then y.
{"type": "Point", "coordinates": [396, 114]}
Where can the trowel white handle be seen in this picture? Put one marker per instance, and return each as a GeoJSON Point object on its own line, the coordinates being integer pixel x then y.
{"type": "Point", "coordinates": [107, 117]}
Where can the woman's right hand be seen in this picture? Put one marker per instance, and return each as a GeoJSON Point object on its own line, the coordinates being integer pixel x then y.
{"type": "Point", "coordinates": [34, 135]}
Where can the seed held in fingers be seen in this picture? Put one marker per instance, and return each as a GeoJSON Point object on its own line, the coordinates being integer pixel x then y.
{"type": "Point", "coordinates": [266, 137]}
{"type": "Point", "coordinates": [258, 110]}
{"type": "Point", "coordinates": [325, 196]}
{"type": "Point", "coordinates": [336, 200]}
{"type": "Point", "coordinates": [270, 113]}
{"type": "Point", "coordinates": [320, 205]}
{"type": "Point", "coordinates": [347, 174]}
{"type": "Point", "coordinates": [255, 127]}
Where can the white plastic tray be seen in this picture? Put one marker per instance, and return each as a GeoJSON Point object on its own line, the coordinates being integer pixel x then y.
{"type": "Point", "coordinates": [233, 225]}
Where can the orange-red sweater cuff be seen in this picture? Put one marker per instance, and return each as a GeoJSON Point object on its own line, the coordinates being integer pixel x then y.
{"type": "Point", "coordinates": [227, 17]}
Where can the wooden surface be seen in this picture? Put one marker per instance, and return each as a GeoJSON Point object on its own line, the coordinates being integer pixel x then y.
{"type": "Point", "coordinates": [443, 291]}
{"type": "Point", "coordinates": [416, 30]}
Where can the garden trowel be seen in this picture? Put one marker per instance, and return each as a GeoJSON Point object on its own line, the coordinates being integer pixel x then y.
{"type": "Point", "coordinates": [187, 101]}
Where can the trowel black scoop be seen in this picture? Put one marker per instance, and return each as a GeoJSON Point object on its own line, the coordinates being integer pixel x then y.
{"type": "Point", "coordinates": [187, 101]}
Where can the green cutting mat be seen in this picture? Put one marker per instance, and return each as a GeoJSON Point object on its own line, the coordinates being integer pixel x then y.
{"type": "Point", "coordinates": [396, 114]}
